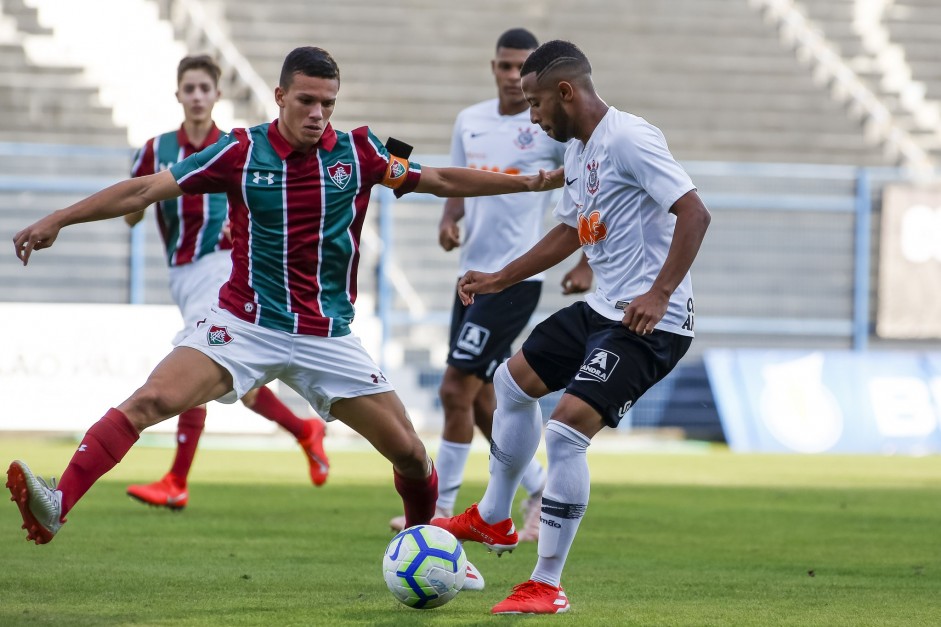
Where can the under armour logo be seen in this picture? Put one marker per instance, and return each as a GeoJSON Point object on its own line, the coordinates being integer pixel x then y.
{"type": "Point", "coordinates": [267, 178]}
{"type": "Point", "coordinates": [81, 448]}
{"type": "Point", "coordinates": [376, 378]}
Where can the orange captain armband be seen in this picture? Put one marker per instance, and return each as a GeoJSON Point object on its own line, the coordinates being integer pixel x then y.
{"type": "Point", "coordinates": [396, 172]}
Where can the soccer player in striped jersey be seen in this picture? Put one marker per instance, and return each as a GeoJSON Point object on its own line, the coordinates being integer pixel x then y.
{"type": "Point", "coordinates": [298, 191]}
{"type": "Point", "coordinates": [635, 212]}
{"type": "Point", "coordinates": [198, 251]}
{"type": "Point", "coordinates": [493, 135]}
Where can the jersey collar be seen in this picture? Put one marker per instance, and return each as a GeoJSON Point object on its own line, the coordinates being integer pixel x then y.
{"type": "Point", "coordinates": [183, 140]}
{"type": "Point", "coordinates": [281, 146]}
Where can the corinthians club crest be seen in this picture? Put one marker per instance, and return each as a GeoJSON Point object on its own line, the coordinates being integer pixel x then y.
{"type": "Point", "coordinates": [593, 182]}
{"type": "Point", "coordinates": [340, 173]}
{"type": "Point", "coordinates": [526, 139]}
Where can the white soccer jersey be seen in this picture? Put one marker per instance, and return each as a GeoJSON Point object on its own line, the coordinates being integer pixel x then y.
{"type": "Point", "coordinates": [619, 188]}
{"type": "Point", "coordinates": [498, 229]}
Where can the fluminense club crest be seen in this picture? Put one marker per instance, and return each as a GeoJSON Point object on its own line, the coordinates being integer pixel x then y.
{"type": "Point", "coordinates": [593, 181]}
{"type": "Point", "coordinates": [340, 173]}
{"type": "Point", "coordinates": [526, 139]}
{"type": "Point", "coordinates": [218, 336]}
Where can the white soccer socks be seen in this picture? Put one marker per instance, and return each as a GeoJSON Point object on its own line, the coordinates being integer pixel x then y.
{"type": "Point", "coordinates": [517, 428]}
{"type": "Point", "coordinates": [564, 499]}
{"type": "Point", "coordinates": [451, 460]}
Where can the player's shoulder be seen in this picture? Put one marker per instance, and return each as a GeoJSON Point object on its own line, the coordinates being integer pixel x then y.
{"type": "Point", "coordinates": [621, 123]}
{"type": "Point", "coordinates": [483, 109]}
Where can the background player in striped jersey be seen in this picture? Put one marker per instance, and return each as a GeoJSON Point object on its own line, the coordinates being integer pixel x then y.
{"type": "Point", "coordinates": [636, 214]}
{"type": "Point", "coordinates": [493, 135]}
{"type": "Point", "coordinates": [198, 251]}
{"type": "Point", "coordinates": [298, 191]}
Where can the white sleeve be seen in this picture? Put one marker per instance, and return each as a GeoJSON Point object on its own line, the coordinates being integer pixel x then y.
{"type": "Point", "coordinates": [565, 211]}
{"type": "Point", "coordinates": [645, 155]}
{"type": "Point", "coordinates": [458, 158]}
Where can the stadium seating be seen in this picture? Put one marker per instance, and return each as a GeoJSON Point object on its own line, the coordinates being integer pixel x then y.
{"type": "Point", "coordinates": [712, 74]}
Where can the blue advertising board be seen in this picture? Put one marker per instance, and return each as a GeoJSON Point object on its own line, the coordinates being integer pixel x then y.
{"type": "Point", "coordinates": [791, 401]}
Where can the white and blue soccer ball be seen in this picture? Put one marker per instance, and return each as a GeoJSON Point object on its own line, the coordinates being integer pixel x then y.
{"type": "Point", "coordinates": [424, 567]}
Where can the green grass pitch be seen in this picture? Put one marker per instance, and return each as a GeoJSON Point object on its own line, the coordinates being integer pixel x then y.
{"type": "Point", "coordinates": [669, 539]}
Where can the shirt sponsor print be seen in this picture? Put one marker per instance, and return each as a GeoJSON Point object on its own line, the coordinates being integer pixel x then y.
{"type": "Point", "coordinates": [591, 230]}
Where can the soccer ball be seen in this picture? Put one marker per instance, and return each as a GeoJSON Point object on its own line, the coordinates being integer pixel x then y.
{"type": "Point", "coordinates": [424, 567]}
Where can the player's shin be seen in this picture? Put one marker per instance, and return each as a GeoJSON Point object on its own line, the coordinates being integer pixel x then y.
{"type": "Point", "coordinates": [103, 446]}
{"type": "Point", "coordinates": [418, 497]}
{"type": "Point", "coordinates": [564, 500]}
{"type": "Point", "coordinates": [517, 427]}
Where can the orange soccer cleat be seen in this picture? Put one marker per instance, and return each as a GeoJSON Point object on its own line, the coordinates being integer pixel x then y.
{"type": "Point", "coordinates": [533, 597]}
{"type": "Point", "coordinates": [497, 537]}
{"type": "Point", "coordinates": [313, 449]}
{"type": "Point", "coordinates": [168, 492]}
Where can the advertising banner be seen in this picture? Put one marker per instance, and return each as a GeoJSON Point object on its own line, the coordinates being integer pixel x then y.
{"type": "Point", "coordinates": [909, 290]}
{"type": "Point", "coordinates": [828, 401]}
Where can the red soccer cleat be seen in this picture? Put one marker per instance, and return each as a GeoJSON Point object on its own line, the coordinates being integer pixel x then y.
{"type": "Point", "coordinates": [533, 597]}
{"type": "Point", "coordinates": [498, 537]}
{"type": "Point", "coordinates": [313, 449]}
{"type": "Point", "coordinates": [168, 492]}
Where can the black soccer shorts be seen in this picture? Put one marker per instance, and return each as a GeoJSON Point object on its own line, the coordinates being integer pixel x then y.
{"type": "Point", "coordinates": [482, 333]}
{"type": "Point", "coordinates": [599, 360]}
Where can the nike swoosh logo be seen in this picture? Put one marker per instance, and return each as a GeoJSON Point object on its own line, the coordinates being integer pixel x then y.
{"type": "Point", "coordinates": [460, 355]}
{"type": "Point", "coordinates": [579, 377]}
{"type": "Point", "coordinates": [395, 554]}
{"type": "Point", "coordinates": [568, 182]}
{"type": "Point", "coordinates": [323, 467]}
{"type": "Point", "coordinates": [473, 135]}
{"type": "Point", "coordinates": [173, 500]}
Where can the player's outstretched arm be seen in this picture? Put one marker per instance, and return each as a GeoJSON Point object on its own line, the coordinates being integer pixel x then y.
{"type": "Point", "coordinates": [464, 182]}
{"type": "Point", "coordinates": [120, 199]}
{"type": "Point", "coordinates": [692, 220]}
{"type": "Point", "coordinates": [553, 248]}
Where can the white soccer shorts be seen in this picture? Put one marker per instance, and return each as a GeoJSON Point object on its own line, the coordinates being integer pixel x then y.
{"type": "Point", "coordinates": [194, 288]}
{"type": "Point", "coordinates": [323, 370]}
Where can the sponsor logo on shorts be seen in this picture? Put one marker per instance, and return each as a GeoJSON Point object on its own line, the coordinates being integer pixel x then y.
{"type": "Point", "coordinates": [625, 408]}
{"type": "Point", "coordinates": [473, 338]}
{"type": "Point", "coordinates": [378, 377]}
{"type": "Point", "coordinates": [598, 367]}
{"type": "Point", "coordinates": [459, 354]}
{"type": "Point", "coordinates": [218, 336]}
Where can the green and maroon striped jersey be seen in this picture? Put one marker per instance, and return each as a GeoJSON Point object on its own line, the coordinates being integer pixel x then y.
{"type": "Point", "coordinates": [296, 220]}
{"type": "Point", "coordinates": [191, 225]}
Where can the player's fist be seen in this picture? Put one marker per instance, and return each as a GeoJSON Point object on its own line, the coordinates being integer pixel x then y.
{"type": "Point", "coordinates": [474, 282]}
{"type": "Point", "coordinates": [449, 235]}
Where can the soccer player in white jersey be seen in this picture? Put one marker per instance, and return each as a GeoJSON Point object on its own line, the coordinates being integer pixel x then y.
{"type": "Point", "coordinates": [494, 135]}
{"type": "Point", "coordinates": [636, 214]}
{"type": "Point", "coordinates": [298, 192]}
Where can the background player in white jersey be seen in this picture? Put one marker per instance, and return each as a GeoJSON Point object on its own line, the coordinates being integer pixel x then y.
{"type": "Point", "coordinates": [198, 250]}
{"type": "Point", "coordinates": [636, 214]}
{"type": "Point", "coordinates": [494, 135]}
